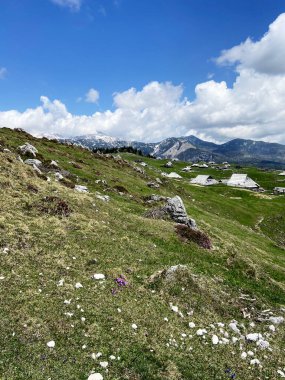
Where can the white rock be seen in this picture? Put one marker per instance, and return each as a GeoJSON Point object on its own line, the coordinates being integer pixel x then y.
{"type": "Point", "coordinates": [98, 276]}
{"type": "Point", "coordinates": [263, 344]}
{"type": "Point", "coordinates": [53, 164]}
{"type": "Point", "coordinates": [104, 198]}
{"type": "Point", "coordinates": [281, 373]}
{"type": "Point", "coordinates": [104, 364]}
{"type": "Point", "coordinates": [243, 355]}
{"type": "Point", "coordinates": [255, 362]}
{"type": "Point", "coordinates": [215, 339]}
{"type": "Point", "coordinates": [112, 357]}
{"type": "Point", "coordinates": [67, 302]}
{"type": "Point", "coordinates": [234, 327]}
{"type": "Point", "coordinates": [58, 176]}
{"type": "Point", "coordinates": [95, 376]}
{"type": "Point", "coordinates": [78, 285]}
{"type": "Point", "coordinates": [192, 325]}
{"type": "Point", "coordinates": [174, 308]}
{"type": "Point", "coordinates": [276, 320]}
{"type": "Point", "coordinates": [33, 161]}
{"type": "Point", "coordinates": [51, 344]}
{"type": "Point", "coordinates": [28, 148]}
{"type": "Point", "coordinates": [134, 326]}
{"type": "Point", "coordinates": [81, 189]}
{"type": "Point", "coordinates": [250, 353]}
{"type": "Point", "coordinates": [60, 282]}
{"type": "Point", "coordinates": [272, 328]}
{"type": "Point", "coordinates": [253, 337]}
{"type": "Point", "coordinates": [201, 332]}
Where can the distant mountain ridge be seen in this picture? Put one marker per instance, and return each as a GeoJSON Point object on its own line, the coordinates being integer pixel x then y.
{"type": "Point", "coordinates": [193, 149]}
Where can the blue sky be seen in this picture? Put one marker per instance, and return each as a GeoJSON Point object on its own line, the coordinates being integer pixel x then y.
{"type": "Point", "coordinates": [53, 49]}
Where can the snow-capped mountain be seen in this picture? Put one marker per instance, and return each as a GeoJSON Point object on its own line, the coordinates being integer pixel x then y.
{"type": "Point", "coordinates": [191, 148]}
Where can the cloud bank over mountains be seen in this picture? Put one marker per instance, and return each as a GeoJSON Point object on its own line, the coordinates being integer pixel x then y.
{"type": "Point", "coordinates": [252, 108]}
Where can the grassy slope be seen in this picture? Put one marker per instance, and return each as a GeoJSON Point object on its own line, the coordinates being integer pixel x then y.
{"type": "Point", "coordinates": [247, 258]}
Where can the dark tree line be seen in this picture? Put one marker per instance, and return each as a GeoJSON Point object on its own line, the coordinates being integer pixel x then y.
{"type": "Point", "coordinates": [123, 149]}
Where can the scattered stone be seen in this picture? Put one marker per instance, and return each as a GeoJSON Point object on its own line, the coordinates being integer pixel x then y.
{"type": "Point", "coordinates": [263, 344]}
{"type": "Point", "coordinates": [159, 181]}
{"type": "Point", "coordinates": [254, 362]}
{"type": "Point", "coordinates": [81, 189]}
{"type": "Point", "coordinates": [171, 271]}
{"type": "Point", "coordinates": [139, 170]}
{"type": "Point", "coordinates": [19, 158]}
{"type": "Point", "coordinates": [281, 373]}
{"type": "Point", "coordinates": [104, 364]}
{"type": "Point", "coordinates": [32, 162]}
{"type": "Point", "coordinates": [253, 337]}
{"type": "Point", "coordinates": [153, 185]}
{"type": "Point", "coordinates": [78, 285]}
{"type": "Point", "coordinates": [51, 344]}
{"type": "Point", "coordinates": [191, 325]}
{"type": "Point", "coordinates": [58, 176]}
{"type": "Point", "coordinates": [168, 164]}
{"type": "Point", "coordinates": [28, 150]}
{"type": "Point", "coordinates": [243, 355]}
{"type": "Point", "coordinates": [134, 326]}
{"type": "Point", "coordinates": [276, 320]}
{"type": "Point", "coordinates": [233, 326]}
{"type": "Point", "coordinates": [98, 276]}
{"type": "Point", "coordinates": [215, 339]}
{"type": "Point", "coordinates": [201, 332]}
{"type": "Point", "coordinates": [104, 198]}
{"type": "Point", "coordinates": [95, 376]}
{"type": "Point", "coordinates": [53, 164]}
{"type": "Point", "coordinates": [101, 181]}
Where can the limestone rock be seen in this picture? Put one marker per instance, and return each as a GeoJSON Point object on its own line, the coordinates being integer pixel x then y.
{"type": "Point", "coordinates": [32, 162]}
{"type": "Point", "coordinates": [28, 149]}
{"type": "Point", "coordinates": [177, 212]}
{"type": "Point", "coordinates": [81, 189]}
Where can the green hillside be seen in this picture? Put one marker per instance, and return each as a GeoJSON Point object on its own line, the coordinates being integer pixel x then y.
{"type": "Point", "coordinates": [53, 237]}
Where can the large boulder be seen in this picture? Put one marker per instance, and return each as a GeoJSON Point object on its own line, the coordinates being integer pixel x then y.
{"type": "Point", "coordinates": [176, 209]}
{"type": "Point", "coordinates": [28, 150]}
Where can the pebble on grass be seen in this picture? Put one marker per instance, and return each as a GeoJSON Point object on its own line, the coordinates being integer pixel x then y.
{"type": "Point", "coordinates": [95, 376]}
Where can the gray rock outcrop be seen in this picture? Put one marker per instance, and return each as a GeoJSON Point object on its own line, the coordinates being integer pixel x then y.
{"type": "Point", "coordinates": [176, 209]}
{"type": "Point", "coordinates": [28, 149]}
{"type": "Point", "coordinates": [32, 162]}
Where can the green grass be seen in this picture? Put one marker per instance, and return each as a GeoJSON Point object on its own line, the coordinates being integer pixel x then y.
{"type": "Point", "coordinates": [114, 238]}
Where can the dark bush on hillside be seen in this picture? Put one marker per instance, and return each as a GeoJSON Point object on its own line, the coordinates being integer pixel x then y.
{"type": "Point", "coordinates": [121, 189]}
{"type": "Point", "coordinates": [32, 188]}
{"type": "Point", "coordinates": [67, 183]}
{"type": "Point", "coordinates": [189, 234]}
{"type": "Point", "coordinates": [157, 213]}
{"type": "Point", "coordinates": [54, 206]}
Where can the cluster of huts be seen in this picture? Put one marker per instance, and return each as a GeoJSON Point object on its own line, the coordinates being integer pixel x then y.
{"type": "Point", "coordinates": [236, 180]}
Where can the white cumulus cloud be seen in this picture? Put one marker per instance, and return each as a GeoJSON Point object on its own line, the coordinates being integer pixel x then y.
{"type": "Point", "coordinates": [92, 96]}
{"type": "Point", "coordinates": [264, 56]}
{"type": "Point", "coordinates": [252, 108]}
{"type": "Point", "coordinates": [71, 4]}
